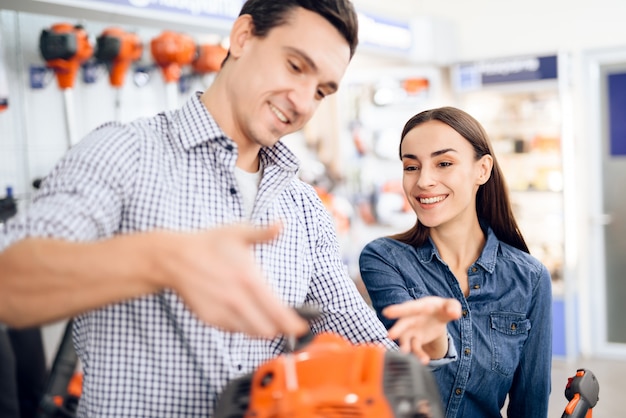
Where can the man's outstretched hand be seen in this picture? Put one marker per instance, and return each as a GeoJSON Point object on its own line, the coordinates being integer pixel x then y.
{"type": "Point", "coordinates": [215, 273]}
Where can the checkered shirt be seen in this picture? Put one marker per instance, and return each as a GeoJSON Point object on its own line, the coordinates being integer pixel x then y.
{"type": "Point", "coordinates": [150, 357]}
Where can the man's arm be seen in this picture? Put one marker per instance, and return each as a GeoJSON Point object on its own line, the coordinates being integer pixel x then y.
{"type": "Point", "coordinates": [43, 280]}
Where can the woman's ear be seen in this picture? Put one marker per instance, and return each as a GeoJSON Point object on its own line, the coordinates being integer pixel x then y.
{"type": "Point", "coordinates": [241, 31]}
{"type": "Point", "coordinates": [485, 165]}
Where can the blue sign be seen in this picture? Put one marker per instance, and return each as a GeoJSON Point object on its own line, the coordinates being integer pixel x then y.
{"type": "Point", "coordinates": [384, 34]}
{"type": "Point", "coordinates": [224, 9]}
{"type": "Point", "coordinates": [507, 70]}
{"type": "Point", "coordinates": [519, 69]}
{"type": "Point", "coordinates": [617, 113]}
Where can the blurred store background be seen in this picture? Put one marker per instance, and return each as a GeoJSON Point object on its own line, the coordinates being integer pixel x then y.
{"type": "Point", "coordinates": [546, 79]}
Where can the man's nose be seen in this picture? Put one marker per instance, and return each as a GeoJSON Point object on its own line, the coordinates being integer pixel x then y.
{"type": "Point", "coordinates": [303, 98]}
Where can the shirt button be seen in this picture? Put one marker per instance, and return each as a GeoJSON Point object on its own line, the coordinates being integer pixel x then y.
{"type": "Point", "coordinates": [458, 391]}
{"type": "Point", "coordinates": [233, 190]}
{"type": "Point", "coordinates": [467, 351]}
{"type": "Point", "coordinates": [229, 147]}
{"type": "Point", "coordinates": [474, 269]}
{"type": "Point", "coordinates": [476, 286]}
{"type": "Point", "coordinates": [514, 326]}
{"type": "Point", "coordinates": [464, 313]}
{"type": "Point", "coordinates": [239, 367]}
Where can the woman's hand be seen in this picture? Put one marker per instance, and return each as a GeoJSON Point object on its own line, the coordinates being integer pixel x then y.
{"type": "Point", "coordinates": [421, 326]}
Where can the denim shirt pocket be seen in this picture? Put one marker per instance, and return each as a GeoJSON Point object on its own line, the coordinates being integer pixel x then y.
{"type": "Point", "coordinates": [509, 331]}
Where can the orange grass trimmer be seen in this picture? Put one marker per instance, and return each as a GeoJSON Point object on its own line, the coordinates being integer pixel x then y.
{"type": "Point", "coordinates": [65, 47]}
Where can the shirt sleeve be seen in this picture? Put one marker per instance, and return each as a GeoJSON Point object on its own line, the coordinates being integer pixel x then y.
{"type": "Point", "coordinates": [344, 309]}
{"type": "Point", "coordinates": [82, 197]}
{"type": "Point", "coordinates": [530, 390]}
{"type": "Point", "coordinates": [382, 279]}
{"type": "Point", "coordinates": [451, 355]}
{"type": "Point", "coordinates": [386, 287]}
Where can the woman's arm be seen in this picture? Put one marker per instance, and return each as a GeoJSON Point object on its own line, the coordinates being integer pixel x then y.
{"type": "Point", "coordinates": [383, 281]}
{"type": "Point", "coordinates": [420, 326]}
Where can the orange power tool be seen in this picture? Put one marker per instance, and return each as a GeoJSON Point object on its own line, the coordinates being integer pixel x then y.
{"type": "Point", "coordinates": [65, 47]}
{"type": "Point", "coordinates": [171, 51]}
{"type": "Point", "coordinates": [330, 377]}
{"type": "Point", "coordinates": [582, 392]}
{"type": "Point", "coordinates": [209, 58]}
{"type": "Point", "coordinates": [118, 49]}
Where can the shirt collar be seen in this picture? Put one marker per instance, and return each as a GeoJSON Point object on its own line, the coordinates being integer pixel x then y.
{"type": "Point", "coordinates": [197, 126]}
{"type": "Point", "coordinates": [486, 260]}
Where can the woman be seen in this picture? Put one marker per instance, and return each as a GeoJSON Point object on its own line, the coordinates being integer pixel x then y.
{"type": "Point", "coordinates": [466, 245]}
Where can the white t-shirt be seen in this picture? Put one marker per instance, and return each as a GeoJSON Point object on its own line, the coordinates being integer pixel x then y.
{"type": "Point", "coordinates": [249, 186]}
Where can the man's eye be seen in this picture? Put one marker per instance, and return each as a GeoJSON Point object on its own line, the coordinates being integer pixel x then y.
{"type": "Point", "coordinates": [410, 168]}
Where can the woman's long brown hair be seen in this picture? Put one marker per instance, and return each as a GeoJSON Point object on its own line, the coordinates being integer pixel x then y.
{"type": "Point", "coordinates": [492, 199]}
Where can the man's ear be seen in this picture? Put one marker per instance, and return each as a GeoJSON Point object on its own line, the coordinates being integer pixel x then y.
{"type": "Point", "coordinates": [485, 166]}
{"type": "Point", "coordinates": [241, 31]}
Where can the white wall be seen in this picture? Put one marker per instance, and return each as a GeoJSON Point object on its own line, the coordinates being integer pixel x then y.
{"type": "Point", "coordinates": [494, 28]}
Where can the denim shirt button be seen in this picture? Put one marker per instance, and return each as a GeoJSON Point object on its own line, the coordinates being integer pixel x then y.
{"type": "Point", "coordinates": [464, 313]}
{"type": "Point", "coordinates": [467, 351]}
{"type": "Point", "coordinates": [474, 269]}
{"type": "Point", "coordinates": [458, 391]}
{"type": "Point", "coordinates": [476, 286]}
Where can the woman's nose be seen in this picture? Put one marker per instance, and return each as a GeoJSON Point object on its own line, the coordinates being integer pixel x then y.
{"type": "Point", "coordinates": [426, 178]}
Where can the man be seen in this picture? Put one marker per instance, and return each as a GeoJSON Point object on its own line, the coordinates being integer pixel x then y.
{"type": "Point", "coordinates": [135, 229]}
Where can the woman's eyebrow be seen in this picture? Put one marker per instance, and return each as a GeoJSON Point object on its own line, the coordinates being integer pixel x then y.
{"type": "Point", "coordinates": [442, 151]}
{"type": "Point", "coordinates": [432, 154]}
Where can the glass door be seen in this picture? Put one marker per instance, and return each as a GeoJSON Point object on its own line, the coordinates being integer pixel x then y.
{"type": "Point", "coordinates": [607, 76]}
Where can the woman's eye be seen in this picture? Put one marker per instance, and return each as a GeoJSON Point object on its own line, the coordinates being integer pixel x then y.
{"type": "Point", "coordinates": [320, 94]}
{"type": "Point", "coordinates": [410, 168]}
{"type": "Point", "coordinates": [445, 164]}
{"type": "Point", "coordinates": [294, 66]}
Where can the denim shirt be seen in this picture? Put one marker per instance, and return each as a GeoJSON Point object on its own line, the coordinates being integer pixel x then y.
{"type": "Point", "coordinates": [504, 335]}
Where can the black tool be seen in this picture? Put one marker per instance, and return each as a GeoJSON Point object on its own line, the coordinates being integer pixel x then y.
{"type": "Point", "coordinates": [582, 392]}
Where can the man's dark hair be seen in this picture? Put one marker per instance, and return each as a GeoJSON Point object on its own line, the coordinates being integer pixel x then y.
{"type": "Point", "coordinates": [267, 14]}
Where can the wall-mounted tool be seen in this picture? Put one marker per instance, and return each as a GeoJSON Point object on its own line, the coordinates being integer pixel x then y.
{"type": "Point", "coordinates": [172, 51]}
{"type": "Point", "coordinates": [117, 49]}
{"type": "Point", "coordinates": [8, 205]}
{"type": "Point", "coordinates": [205, 66]}
{"type": "Point", "coordinates": [4, 85]}
{"type": "Point", "coordinates": [65, 47]}
{"type": "Point", "coordinates": [209, 58]}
